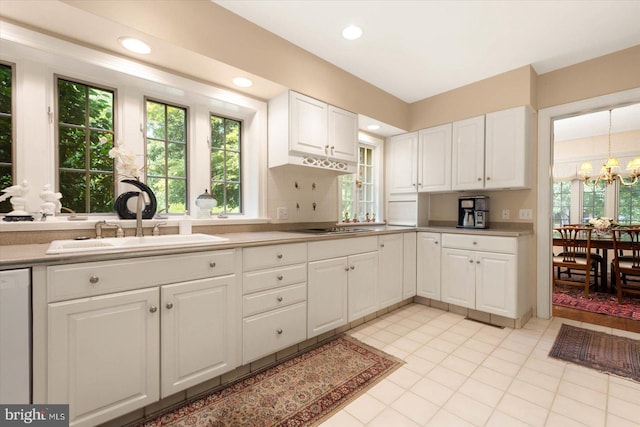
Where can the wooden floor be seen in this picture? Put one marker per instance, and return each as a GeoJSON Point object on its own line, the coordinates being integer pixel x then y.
{"type": "Point", "coordinates": [597, 318]}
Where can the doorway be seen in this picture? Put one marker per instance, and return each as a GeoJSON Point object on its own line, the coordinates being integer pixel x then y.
{"type": "Point", "coordinates": [544, 222]}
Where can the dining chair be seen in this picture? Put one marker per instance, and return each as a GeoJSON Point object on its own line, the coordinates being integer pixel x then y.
{"type": "Point", "coordinates": [597, 262]}
{"type": "Point", "coordinates": [627, 267]}
{"type": "Point", "coordinates": [576, 255]}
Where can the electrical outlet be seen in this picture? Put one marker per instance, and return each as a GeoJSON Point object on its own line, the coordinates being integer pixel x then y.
{"type": "Point", "coordinates": [526, 214]}
{"type": "Point", "coordinates": [282, 213]}
{"type": "Point", "coordinates": [506, 214]}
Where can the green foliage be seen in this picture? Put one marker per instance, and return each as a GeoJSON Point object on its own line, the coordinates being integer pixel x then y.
{"type": "Point", "coordinates": [6, 104]}
{"type": "Point", "coordinates": [6, 133]}
{"type": "Point", "coordinates": [561, 203]}
{"type": "Point", "coordinates": [226, 185]}
{"type": "Point", "coordinates": [629, 204]}
{"type": "Point", "coordinates": [593, 201]}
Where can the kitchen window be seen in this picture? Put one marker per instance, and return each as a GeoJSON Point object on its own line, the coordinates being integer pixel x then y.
{"type": "Point", "coordinates": [166, 145]}
{"type": "Point", "coordinates": [561, 203]}
{"type": "Point", "coordinates": [226, 174]}
{"type": "Point", "coordinates": [360, 193]}
{"type": "Point", "coordinates": [593, 201]}
{"type": "Point", "coordinates": [85, 114]}
{"type": "Point", "coordinates": [6, 132]}
{"type": "Point", "coordinates": [629, 204]}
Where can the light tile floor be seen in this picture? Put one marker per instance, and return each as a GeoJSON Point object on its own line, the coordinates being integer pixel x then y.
{"type": "Point", "coordinates": [462, 373]}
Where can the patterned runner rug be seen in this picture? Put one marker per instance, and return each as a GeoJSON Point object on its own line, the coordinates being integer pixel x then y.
{"type": "Point", "coordinates": [598, 350]}
{"type": "Point", "coordinates": [597, 302]}
{"type": "Point", "coordinates": [302, 391]}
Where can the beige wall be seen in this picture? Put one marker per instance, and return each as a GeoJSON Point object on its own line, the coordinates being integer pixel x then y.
{"type": "Point", "coordinates": [255, 50]}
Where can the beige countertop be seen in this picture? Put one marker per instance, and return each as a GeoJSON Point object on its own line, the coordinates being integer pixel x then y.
{"type": "Point", "coordinates": [21, 256]}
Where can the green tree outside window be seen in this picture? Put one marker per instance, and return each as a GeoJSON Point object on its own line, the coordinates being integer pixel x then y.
{"type": "Point", "coordinates": [629, 204]}
{"type": "Point", "coordinates": [6, 132]}
{"type": "Point", "coordinates": [85, 170]}
{"type": "Point", "coordinates": [561, 203]}
{"type": "Point", "coordinates": [226, 177]}
{"type": "Point", "coordinates": [593, 201]}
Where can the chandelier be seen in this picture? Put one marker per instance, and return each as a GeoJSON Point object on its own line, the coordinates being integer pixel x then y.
{"type": "Point", "coordinates": [609, 171]}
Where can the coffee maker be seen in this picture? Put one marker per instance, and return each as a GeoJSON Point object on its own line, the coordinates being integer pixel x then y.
{"type": "Point", "coordinates": [473, 212]}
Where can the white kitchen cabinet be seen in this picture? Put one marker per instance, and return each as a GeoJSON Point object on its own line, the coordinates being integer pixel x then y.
{"type": "Point", "coordinates": [486, 273]}
{"type": "Point", "coordinates": [327, 295]}
{"type": "Point", "coordinates": [274, 299]}
{"type": "Point", "coordinates": [428, 265]}
{"type": "Point", "coordinates": [104, 355]}
{"type": "Point", "coordinates": [307, 132]}
{"type": "Point", "coordinates": [467, 169]}
{"type": "Point", "coordinates": [434, 159]}
{"type": "Point", "coordinates": [409, 265]}
{"type": "Point", "coordinates": [110, 353]}
{"type": "Point", "coordinates": [390, 286]}
{"type": "Point", "coordinates": [402, 167]}
{"type": "Point", "coordinates": [508, 148]}
{"type": "Point", "coordinates": [341, 282]}
{"type": "Point", "coordinates": [199, 332]}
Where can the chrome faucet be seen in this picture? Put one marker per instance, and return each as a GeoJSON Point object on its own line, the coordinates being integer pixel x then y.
{"type": "Point", "coordinates": [139, 215]}
{"type": "Point", "coordinates": [103, 224]}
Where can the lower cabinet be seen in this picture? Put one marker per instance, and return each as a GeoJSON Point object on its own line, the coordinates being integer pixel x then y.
{"type": "Point", "coordinates": [363, 275]}
{"type": "Point", "coordinates": [327, 295]}
{"type": "Point", "coordinates": [112, 353]}
{"type": "Point", "coordinates": [409, 277]}
{"type": "Point", "coordinates": [390, 285]}
{"type": "Point", "coordinates": [493, 278]}
{"type": "Point", "coordinates": [428, 265]}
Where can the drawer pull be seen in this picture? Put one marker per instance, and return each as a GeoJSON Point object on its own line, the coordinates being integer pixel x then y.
{"type": "Point", "coordinates": [475, 243]}
{"type": "Point", "coordinates": [346, 268]}
{"type": "Point", "coordinates": [94, 279]}
{"type": "Point", "coordinates": [279, 331]}
{"type": "Point", "coordinates": [382, 245]}
{"type": "Point", "coordinates": [477, 262]}
{"type": "Point", "coordinates": [353, 267]}
{"type": "Point", "coordinates": [279, 256]}
{"type": "Point", "coordinates": [169, 305]}
{"type": "Point", "coordinates": [280, 277]}
{"type": "Point", "coordinates": [436, 242]}
{"type": "Point", "coordinates": [212, 264]}
{"type": "Point", "coordinates": [153, 309]}
{"type": "Point", "coordinates": [280, 299]}
{"type": "Point", "coordinates": [471, 261]}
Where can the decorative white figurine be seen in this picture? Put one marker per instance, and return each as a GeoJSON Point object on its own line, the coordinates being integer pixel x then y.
{"type": "Point", "coordinates": [18, 201]}
{"type": "Point", "coordinates": [51, 201]}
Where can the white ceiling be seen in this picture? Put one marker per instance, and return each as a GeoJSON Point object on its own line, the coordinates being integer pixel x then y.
{"type": "Point", "coordinates": [623, 119]}
{"type": "Point", "coordinates": [417, 49]}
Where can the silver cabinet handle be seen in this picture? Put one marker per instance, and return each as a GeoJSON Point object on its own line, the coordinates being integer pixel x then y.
{"type": "Point", "coordinates": [436, 242]}
{"type": "Point", "coordinates": [353, 267]}
{"type": "Point", "coordinates": [346, 268]}
{"type": "Point", "coordinates": [471, 261]}
{"type": "Point", "coordinates": [280, 277]}
{"type": "Point", "coordinates": [94, 279]}
{"type": "Point", "coordinates": [475, 243]}
{"type": "Point", "coordinates": [279, 331]}
{"type": "Point", "coordinates": [212, 264]}
{"type": "Point", "coordinates": [280, 299]}
{"type": "Point", "coordinates": [279, 256]}
{"type": "Point", "coordinates": [382, 245]}
{"type": "Point", "coordinates": [477, 262]}
{"type": "Point", "coordinates": [479, 179]}
{"type": "Point", "coordinates": [488, 178]}
{"type": "Point", "coordinates": [153, 309]}
{"type": "Point", "coordinates": [169, 305]}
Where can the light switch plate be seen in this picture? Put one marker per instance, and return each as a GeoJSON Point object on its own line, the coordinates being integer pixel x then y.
{"type": "Point", "coordinates": [526, 214]}
{"type": "Point", "coordinates": [282, 213]}
{"type": "Point", "coordinates": [506, 214]}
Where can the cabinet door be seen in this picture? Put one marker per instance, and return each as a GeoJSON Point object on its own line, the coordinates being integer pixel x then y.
{"type": "Point", "coordinates": [467, 169]}
{"type": "Point", "coordinates": [428, 265]}
{"type": "Point", "coordinates": [327, 295]}
{"type": "Point", "coordinates": [409, 262]}
{"type": "Point", "coordinates": [391, 259]}
{"type": "Point", "coordinates": [496, 283]}
{"type": "Point", "coordinates": [308, 125]}
{"type": "Point", "coordinates": [343, 134]}
{"type": "Point", "coordinates": [434, 157]}
{"type": "Point", "coordinates": [458, 277]}
{"type": "Point", "coordinates": [507, 145]}
{"type": "Point", "coordinates": [199, 331]}
{"type": "Point", "coordinates": [363, 276]}
{"type": "Point", "coordinates": [104, 355]}
{"type": "Point", "coordinates": [401, 163]}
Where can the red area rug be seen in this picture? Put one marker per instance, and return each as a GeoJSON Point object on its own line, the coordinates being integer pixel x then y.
{"type": "Point", "coordinates": [597, 302]}
{"type": "Point", "coordinates": [302, 391]}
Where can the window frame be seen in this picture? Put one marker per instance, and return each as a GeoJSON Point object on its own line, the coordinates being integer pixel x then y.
{"type": "Point", "coordinates": [13, 134]}
{"type": "Point", "coordinates": [56, 132]}
{"type": "Point", "coordinates": [187, 121]}
{"type": "Point", "coordinates": [241, 150]}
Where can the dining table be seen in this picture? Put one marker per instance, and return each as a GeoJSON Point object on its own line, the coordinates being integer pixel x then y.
{"type": "Point", "coordinates": [603, 243]}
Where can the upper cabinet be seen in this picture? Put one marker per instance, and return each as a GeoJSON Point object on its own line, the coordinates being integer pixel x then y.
{"type": "Point", "coordinates": [434, 159]}
{"type": "Point", "coordinates": [401, 163]}
{"type": "Point", "coordinates": [307, 132]}
{"type": "Point", "coordinates": [491, 152]}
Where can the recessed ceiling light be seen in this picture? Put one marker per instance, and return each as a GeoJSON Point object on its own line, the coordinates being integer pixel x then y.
{"type": "Point", "coordinates": [135, 45]}
{"type": "Point", "coordinates": [242, 82]}
{"type": "Point", "coordinates": [352, 32]}
{"type": "Point", "coordinates": [373, 127]}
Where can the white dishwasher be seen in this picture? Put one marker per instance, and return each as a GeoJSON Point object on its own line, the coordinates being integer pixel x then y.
{"type": "Point", "coordinates": [15, 336]}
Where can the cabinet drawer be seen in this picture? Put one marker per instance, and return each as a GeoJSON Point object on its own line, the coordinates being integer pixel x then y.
{"type": "Point", "coordinates": [342, 247]}
{"type": "Point", "coordinates": [260, 302]}
{"type": "Point", "coordinates": [96, 278]}
{"type": "Point", "coordinates": [480, 243]}
{"type": "Point", "coordinates": [272, 256]}
{"type": "Point", "coordinates": [272, 278]}
{"type": "Point", "coordinates": [267, 333]}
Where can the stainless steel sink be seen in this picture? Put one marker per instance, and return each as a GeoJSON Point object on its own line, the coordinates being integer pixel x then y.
{"type": "Point", "coordinates": [111, 243]}
{"type": "Point", "coordinates": [333, 230]}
